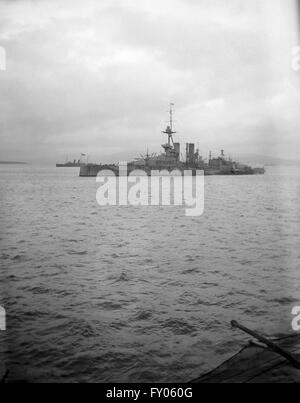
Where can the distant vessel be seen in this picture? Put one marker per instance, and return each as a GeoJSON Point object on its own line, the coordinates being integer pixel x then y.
{"type": "Point", "coordinates": [172, 159]}
{"type": "Point", "coordinates": [70, 164]}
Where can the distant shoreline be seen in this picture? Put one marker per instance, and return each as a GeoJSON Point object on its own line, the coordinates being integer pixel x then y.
{"type": "Point", "coordinates": [13, 163]}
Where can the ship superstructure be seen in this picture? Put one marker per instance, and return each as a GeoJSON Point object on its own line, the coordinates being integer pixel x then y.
{"type": "Point", "coordinates": [171, 158]}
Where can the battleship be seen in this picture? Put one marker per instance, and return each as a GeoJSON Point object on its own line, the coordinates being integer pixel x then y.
{"type": "Point", "coordinates": [172, 159]}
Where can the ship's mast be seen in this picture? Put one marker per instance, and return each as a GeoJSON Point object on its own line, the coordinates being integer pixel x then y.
{"type": "Point", "coordinates": [169, 130]}
{"type": "Point", "coordinates": [171, 117]}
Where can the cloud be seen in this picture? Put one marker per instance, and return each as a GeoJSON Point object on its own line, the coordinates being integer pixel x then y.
{"type": "Point", "coordinates": [89, 76]}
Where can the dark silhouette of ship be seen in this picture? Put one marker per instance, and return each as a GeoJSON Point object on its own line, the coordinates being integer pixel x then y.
{"type": "Point", "coordinates": [171, 159]}
{"type": "Point", "coordinates": [71, 164]}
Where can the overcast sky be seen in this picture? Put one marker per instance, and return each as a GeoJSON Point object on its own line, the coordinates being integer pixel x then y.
{"type": "Point", "coordinates": [96, 77]}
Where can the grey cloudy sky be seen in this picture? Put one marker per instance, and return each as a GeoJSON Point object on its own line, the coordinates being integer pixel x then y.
{"type": "Point", "coordinates": [96, 76]}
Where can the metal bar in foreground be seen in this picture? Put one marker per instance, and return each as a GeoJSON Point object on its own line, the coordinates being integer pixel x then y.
{"type": "Point", "coordinates": [273, 346]}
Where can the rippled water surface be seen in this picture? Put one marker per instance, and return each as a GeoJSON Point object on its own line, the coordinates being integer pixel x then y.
{"type": "Point", "coordinates": [141, 293]}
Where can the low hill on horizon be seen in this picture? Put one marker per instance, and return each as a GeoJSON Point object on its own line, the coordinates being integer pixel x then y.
{"type": "Point", "coordinates": [13, 162]}
{"type": "Point", "coordinates": [265, 160]}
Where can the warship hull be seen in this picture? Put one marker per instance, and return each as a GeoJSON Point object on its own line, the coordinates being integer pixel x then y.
{"type": "Point", "coordinates": [92, 170]}
{"type": "Point", "coordinates": [69, 165]}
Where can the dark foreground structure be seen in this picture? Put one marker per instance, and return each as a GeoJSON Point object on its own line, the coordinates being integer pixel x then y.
{"type": "Point", "coordinates": [276, 361]}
